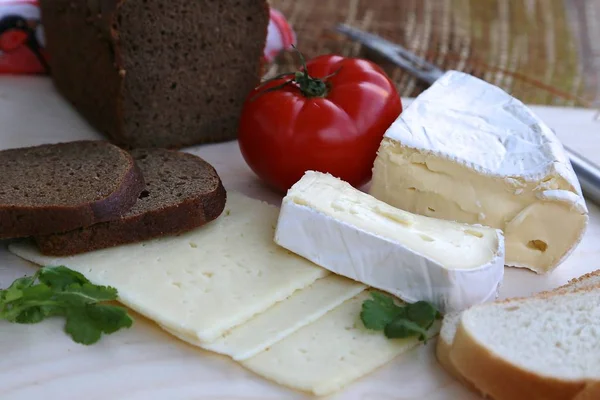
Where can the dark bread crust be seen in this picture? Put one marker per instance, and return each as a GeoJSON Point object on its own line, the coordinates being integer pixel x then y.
{"type": "Point", "coordinates": [155, 73]}
{"type": "Point", "coordinates": [36, 208]}
{"type": "Point", "coordinates": [172, 214]}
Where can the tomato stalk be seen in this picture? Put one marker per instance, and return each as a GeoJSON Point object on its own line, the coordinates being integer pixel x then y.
{"type": "Point", "coordinates": [309, 86]}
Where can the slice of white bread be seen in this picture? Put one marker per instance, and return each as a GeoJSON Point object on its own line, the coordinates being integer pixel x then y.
{"type": "Point", "coordinates": [451, 321]}
{"type": "Point", "coordinates": [543, 347]}
{"type": "Point", "coordinates": [444, 343]}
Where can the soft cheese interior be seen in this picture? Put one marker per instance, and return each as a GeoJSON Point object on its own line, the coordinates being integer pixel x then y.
{"type": "Point", "coordinates": [467, 151]}
{"type": "Point", "coordinates": [443, 241]}
{"type": "Point", "coordinates": [414, 257]}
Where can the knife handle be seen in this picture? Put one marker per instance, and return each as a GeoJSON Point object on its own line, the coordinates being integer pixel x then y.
{"type": "Point", "coordinates": [589, 176]}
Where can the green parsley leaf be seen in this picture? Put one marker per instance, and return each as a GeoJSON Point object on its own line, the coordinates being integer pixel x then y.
{"type": "Point", "coordinates": [60, 277]}
{"type": "Point", "coordinates": [109, 318]}
{"type": "Point", "coordinates": [398, 321]}
{"type": "Point", "coordinates": [60, 291]}
{"type": "Point", "coordinates": [86, 324]}
{"type": "Point", "coordinates": [404, 328]}
{"type": "Point", "coordinates": [32, 296]}
{"type": "Point", "coordinates": [86, 293]}
{"type": "Point", "coordinates": [34, 314]}
{"type": "Point", "coordinates": [81, 327]}
{"type": "Point", "coordinates": [422, 313]}
{"type": "Point", "coordinates": [36, 293]}
{"type": "Point", "coordinates": [379, 311]}
{"type": "Point", "coordinates": [15, 291]}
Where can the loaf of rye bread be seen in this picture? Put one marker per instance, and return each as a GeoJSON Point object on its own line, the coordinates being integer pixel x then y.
{"type": "Point", "coordinates": [182, 192]}
{"type": "Point", "coordinates": [156, 73]}
{"type": "Point", "coordinates": [60, 187]}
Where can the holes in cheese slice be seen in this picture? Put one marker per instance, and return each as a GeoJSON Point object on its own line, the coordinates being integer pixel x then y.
{"type": "Point", "coordinates": [426, 238]}
{"type": "Point", "coordinates": [474, 233]}
{"type": "Point", "coordinates": [401, 218]}
{"type": "Point", "coordinates": [539, 245]}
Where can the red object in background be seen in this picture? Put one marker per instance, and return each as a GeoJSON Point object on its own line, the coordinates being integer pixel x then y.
{"type": "Point", "coordinates": [11, 40]}
{"type": "Point", "coordinates": [21, 38]}
{"type": "Point", "coordinates": [287, 128]}
{"type": "Point", "coordinates": [280, 35]}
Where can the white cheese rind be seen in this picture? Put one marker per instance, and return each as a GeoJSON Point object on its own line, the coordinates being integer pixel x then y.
{"type": "Point", "coordinates": [330, 353]}
{"type": "Point", "coordinates": [386, 264]}
{"type": "Point", "coordinates": [284, 318]}
{"type": "Point", "coordinates": [467, 151]}
{"type": "Point", "coordinates": [466, 119]}
{"type": "Point", "coordinates": [204, 282]}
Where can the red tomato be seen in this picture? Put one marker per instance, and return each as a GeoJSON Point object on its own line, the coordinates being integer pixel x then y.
{"type": "Point", "coordinates": [332, 121]}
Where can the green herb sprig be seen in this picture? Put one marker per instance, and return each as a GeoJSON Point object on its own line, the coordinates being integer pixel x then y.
{"type": "Point", "coordinates": [60, 291]}
{"type": "Point", "coordinates": [381, 313]}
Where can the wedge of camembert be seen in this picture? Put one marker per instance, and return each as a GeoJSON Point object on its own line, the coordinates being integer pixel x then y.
{"type": "Point", "coordinates": [350, 233]}
{"type": "Point", "coordinates": [467, 151]}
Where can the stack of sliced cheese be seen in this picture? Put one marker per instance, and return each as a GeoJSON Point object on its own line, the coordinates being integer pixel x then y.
{"type": "Point", "coordinates": [227, 287]}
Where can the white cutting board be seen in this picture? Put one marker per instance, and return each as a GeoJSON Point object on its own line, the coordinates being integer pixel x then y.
{"type": "Point", "coordinates": [41, 362]}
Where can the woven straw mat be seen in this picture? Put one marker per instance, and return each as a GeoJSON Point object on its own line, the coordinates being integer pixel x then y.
{"type": "Point", "coordinates": [541, 51]}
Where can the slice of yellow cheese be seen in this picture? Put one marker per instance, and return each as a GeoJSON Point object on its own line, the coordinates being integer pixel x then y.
{"type": "Point", "coordinates": [202, 283]}
{"type": "Point", "coordinates": [285, 317]}
{"type": "Point", "coordinates": [330, 353]}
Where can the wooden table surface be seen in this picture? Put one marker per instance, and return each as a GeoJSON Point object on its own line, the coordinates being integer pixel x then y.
{"type": "Point", "coordinates": [41, 362]}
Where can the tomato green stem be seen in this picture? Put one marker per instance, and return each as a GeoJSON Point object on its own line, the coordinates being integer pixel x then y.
{"type": "Point", "coordinates": [308, 85]}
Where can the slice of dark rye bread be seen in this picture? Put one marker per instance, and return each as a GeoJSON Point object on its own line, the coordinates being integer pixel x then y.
{"type": "Point", "coordinates": [182, 192]}
{"type": "Point", "coordinates": [59, 187]}
{"type": "Point", "coordinates": [157, 73]}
